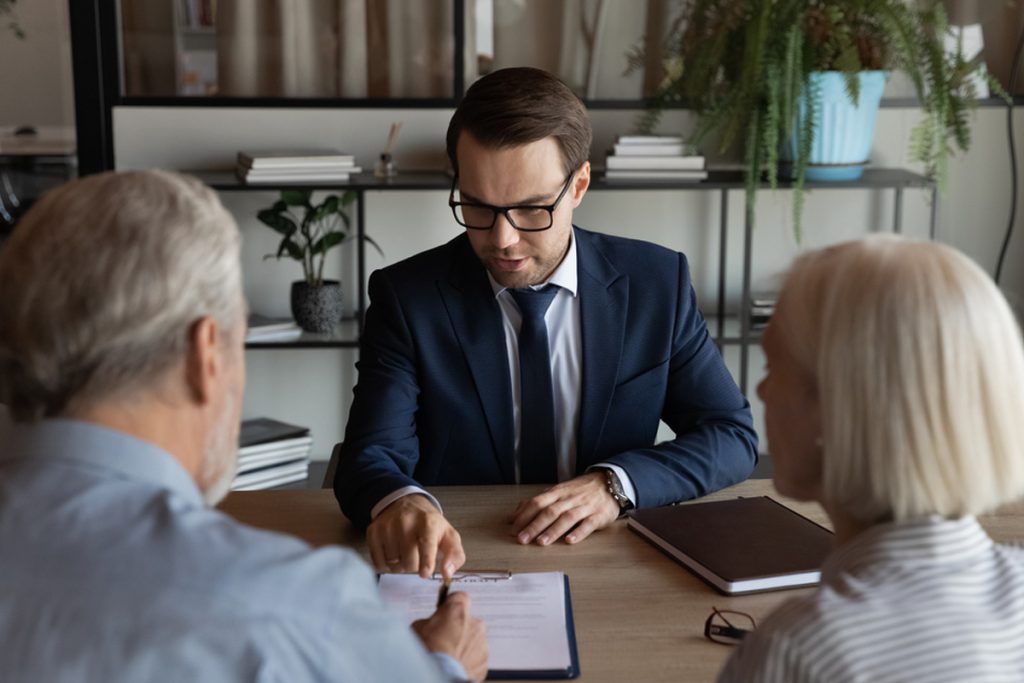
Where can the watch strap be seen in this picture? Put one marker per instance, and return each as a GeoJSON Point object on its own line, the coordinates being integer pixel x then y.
{"type": "Point", "coordinates": [614, 487]}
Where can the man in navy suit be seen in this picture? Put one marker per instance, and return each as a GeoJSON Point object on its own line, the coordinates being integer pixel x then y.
{"type": "Point", "coordinates": [528, 350]}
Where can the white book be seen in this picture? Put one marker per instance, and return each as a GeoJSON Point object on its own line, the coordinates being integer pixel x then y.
{"type": "Point", "coordinates": [290, 334]}
{"type": "Point", "coordinates": [260, 461]}
{"type": "Point", "coordinates": [298, 170]}
{"type": "Point", "coordinates": [312, 177]}
{"type": "Point", "coordinates": [656, 150]}
{"type": "Point", "coordinates": [656, 175]}
{"type": "Point", "coordinates": [266, 462]}
{"type": "Point", "coordinates": [278, 445]}
{"type": "Point", "coordinates": [690, 163]}
{"type": "Point", "coordinates": [650, 140]}
{"type": "Point", "coordinates": [271, 476]}
{"type": "Point", "coordinates": [294, 157]}
{"type": "Point", "coordinates": [263, 328]}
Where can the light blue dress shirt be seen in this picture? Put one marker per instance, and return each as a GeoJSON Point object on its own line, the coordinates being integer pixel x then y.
{"type": "Point", "coordinates": [112, 568]}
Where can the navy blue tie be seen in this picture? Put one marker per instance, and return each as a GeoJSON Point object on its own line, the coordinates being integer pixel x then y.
{"type": "Point", "coordinates": [537, 458]}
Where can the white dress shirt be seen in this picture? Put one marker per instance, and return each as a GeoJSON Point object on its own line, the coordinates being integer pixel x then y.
{"type": "Point", "coordinates": [565, 347]}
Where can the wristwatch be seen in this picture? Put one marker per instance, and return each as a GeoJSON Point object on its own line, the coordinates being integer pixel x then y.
{"type": "Point", "coordinates": [614, 487]}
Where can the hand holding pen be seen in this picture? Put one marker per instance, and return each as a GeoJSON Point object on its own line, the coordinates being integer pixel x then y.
{"type": "Point", "coordinates": [442, 594]}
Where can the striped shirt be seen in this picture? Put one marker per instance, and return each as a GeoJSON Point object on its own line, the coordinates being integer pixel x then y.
{"type": "Point", "coordinates": [927, 600]}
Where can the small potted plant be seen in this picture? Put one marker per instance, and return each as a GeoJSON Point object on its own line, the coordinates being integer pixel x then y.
{"type": "Point", "coordinates": [308, 231]}
{"type": "Point", "coordinates": [758, 73]}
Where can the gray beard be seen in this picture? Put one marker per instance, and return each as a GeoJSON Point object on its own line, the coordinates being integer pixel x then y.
{"type": "Point", "coordinates": [220, 456]}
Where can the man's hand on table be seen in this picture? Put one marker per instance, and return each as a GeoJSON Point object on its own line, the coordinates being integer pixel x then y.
{"type": "Point", "coordinates": [454, 631]}
{"type": "Point", "coordinates": [409, 534]}
{"type": "Point", "coordinates": [579, 506]}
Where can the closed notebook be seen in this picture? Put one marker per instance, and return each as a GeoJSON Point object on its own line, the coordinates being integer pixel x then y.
{"type": "Point", "coordinates": [739, 546]}
{"type": "Point", "coordinates": [264, 430]}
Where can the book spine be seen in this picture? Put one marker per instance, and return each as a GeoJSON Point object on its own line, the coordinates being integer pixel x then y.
{"type": "Point", "coordinates": [667, 150]}
{"type": "Point", "coordinates": [692, 163]}
{"type": "Point", "coordinates": [650, 140]}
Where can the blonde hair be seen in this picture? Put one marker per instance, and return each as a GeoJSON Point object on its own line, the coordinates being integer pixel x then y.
{"type": "Point", "coordinates": [919, 367]}
{"type": "Point", "coordinates": [102, 281]}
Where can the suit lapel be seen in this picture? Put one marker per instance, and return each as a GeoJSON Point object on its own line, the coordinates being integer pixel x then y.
{"type": "Point", "coordinates": [604, 298]}
{"type": "Point", "coordinates": [476, 319]}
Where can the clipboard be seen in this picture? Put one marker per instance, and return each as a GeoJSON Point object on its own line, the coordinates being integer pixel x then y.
{"type": "Point", "coordinates": [416, 597]}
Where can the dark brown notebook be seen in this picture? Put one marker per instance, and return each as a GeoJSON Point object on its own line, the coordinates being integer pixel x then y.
{"type": "Point", "coordinates": [739, 546]}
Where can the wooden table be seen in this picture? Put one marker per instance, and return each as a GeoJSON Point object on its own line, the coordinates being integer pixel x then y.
{"type": "Point", "coordinates": [639, 615]}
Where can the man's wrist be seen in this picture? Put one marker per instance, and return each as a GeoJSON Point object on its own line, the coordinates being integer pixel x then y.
{"type": "Point", "coordinates": [614, 488]}
{"type": "Point", "coordinates": [401, 493]}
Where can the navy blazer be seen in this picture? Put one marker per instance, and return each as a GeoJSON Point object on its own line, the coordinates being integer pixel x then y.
{"type": "Point", "coordinates": [433, 403]}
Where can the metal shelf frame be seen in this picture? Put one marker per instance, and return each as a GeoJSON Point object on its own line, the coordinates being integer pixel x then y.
{"type": "Point", "coordinates": [723, 182]}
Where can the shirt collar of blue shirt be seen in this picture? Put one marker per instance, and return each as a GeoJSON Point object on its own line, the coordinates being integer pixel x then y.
{"type": "Point", "coordinates": [90, 445]}
{"type": "Point", "coordinates": [565, 275]}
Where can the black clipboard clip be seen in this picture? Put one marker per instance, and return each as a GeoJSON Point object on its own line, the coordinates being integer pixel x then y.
{"type": "Point", "coordinates": [477, 575]}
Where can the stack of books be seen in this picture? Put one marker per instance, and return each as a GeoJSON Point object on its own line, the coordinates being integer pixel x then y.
{"type": "Point", "coordinates": [654, 157]}
{"type": "Point", "coordinates": [271, 453]}
{"type": "Point", "coordinates": [264, 329]}
{"type": "Point", "coordinates": [761, 308]}
{"type": "Point", "coordinates": [295, 166]}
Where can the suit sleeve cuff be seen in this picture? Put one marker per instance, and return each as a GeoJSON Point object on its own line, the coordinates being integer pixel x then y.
{"type": "Point", "coordinates": [627, 483]}
{"type": "Point", "coordinates": [401, 493]}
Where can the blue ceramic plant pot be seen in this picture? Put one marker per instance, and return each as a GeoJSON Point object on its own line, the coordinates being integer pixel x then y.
{"type": "Point", "coordinates": [843, 130]}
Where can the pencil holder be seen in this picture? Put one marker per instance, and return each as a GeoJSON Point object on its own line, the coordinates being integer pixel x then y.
{"type": "Point", "coordinates": [385, 167]}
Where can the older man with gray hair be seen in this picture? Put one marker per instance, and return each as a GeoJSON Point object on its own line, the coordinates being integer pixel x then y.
{"type": "Point", "coordinates": [122, 325]}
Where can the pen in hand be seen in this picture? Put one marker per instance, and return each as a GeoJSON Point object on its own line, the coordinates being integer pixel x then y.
{"type": "Point", "coordinates": [442, 594]}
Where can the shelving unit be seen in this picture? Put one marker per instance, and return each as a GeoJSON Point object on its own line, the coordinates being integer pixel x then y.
{"type": "Point", "coordinates": [728, 331]}
{"type": "Point", "coordinates": [349, 332]}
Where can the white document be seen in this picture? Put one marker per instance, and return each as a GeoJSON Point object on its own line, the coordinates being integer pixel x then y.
{"type": "Point", "coordinates": [524, 614]}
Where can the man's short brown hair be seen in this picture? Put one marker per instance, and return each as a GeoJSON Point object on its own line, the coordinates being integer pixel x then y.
{"type": "Point", "coordinates": [520, 105]}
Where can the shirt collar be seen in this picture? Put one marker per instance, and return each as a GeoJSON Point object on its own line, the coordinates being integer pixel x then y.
{"type": "Point", "coordinates": [566, 275]}
{"type": "Point", "coordinates": [118, 454]}
{"type": "Point", "coordinates": [912, 545]}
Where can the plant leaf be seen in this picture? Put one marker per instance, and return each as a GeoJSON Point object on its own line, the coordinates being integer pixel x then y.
{"type": "Point", "coordinates": [288, 246]}
{"type": "Point", "coordinates": [296, 197]}
{"type": "Point", "coordinates": [327, 241]}
{"type": "Point", "coordinates": [325, 209]}
{"type": "Point", "coordinates": [375, 245]}
{"type": "Point", "coordinates": [277, 222]}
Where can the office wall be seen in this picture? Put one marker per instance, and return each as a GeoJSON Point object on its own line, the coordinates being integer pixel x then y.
{"type": "Point", "coordinates": [312, 387]}
{"type": "Point", "coordinates": [298, 385]}
{"type": "Point", "coordinates": [35, 76]}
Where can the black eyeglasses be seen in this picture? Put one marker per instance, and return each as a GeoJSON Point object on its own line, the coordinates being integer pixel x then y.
{"type": "Point", "coordinates": [526, 217]}
{"type": "Point", "coordinates": [726, 627]}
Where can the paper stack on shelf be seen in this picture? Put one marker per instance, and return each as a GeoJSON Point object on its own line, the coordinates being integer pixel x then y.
{"type": "Point", "coordinates": [295, 166]}
{"type": "Point", "coordinates": [654, 157]}
{"type": "Point", "coordinates": [265, 329]}
{"type": "Point", "coordinates": [761, 308]}
{"type": "Point", "coordinates": [271, 453]}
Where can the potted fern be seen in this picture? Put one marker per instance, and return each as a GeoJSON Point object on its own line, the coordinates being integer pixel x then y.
{"type": "Point", "coordinates": [308, 231]}
{"type": "Point", "coordinates": [758, 74]}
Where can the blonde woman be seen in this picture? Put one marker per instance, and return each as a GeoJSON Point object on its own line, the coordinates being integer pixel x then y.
{"type": "Point", "coordinates": [895, 398]}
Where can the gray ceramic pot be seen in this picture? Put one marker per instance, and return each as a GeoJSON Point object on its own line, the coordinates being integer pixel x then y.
{"type": "Point", "coordinates": [317, 309]}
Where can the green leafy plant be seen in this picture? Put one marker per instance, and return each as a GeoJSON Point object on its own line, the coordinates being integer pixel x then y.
{"type": "Point", "coordinates": [308, 231]}
{"type": "Point", "coordinates": [743, 66]}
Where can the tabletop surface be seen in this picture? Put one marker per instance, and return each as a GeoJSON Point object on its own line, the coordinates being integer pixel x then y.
{"type": "Point", "coordinates": [639, 615]}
